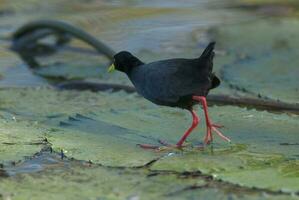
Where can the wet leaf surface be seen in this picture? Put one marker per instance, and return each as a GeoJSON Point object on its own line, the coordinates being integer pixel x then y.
{"type": "Point", "coordinates": [74, 179]}
{"type": "Point", "coordinates": [266, 67]}
{"type": "Point", "coordinates": [18, 139]}
{"type": "Point", "coordinates": [253, 58]}
{"type": "Point", "coordinates": [108, 136]}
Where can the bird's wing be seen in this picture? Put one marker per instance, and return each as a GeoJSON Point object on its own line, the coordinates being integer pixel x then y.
{"type": "Point", "coordinates": [169, 80]}
{"type": "Point", "coordinates": [173, 79]}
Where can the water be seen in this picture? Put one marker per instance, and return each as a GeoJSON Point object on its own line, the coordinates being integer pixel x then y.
{"type": "Point", "coordinates": [256, 51]}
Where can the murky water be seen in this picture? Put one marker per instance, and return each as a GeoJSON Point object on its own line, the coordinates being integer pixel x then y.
{"type": "Point", "coordinates": [256, 56]}
{"type": "Point", "coordinates": [150, 30]}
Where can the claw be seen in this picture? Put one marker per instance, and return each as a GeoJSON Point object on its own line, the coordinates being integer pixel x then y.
{"type": "Point", "coordinates": [165, 146]}
{"type": "Point", "coordinates": [160, 148]}
{"type": "Point", "coordinates": [148, 146]}
{"type": "Point", "coordinates": [209, 137]}
{"type": "Point", "coordinates": [210, 126]}
{"type": "Point", "coordinates": [218, 125]}
{"type": "Point", "coordinates": [220, 134]}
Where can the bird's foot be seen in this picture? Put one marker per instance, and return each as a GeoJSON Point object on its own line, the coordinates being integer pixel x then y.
{"type": "Point", "coordinates": [213, 127]}
{"type": "Point", "coordinates": [148, 146]}
{"type": "Point", "coordinates": [163, 147]}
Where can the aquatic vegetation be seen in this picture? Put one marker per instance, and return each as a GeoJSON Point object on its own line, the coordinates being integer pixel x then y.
{"type": "Point", "coordinates": [83, 144]}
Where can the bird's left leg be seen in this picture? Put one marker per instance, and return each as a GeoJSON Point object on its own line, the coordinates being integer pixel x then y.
{"type": "Point", "coordinates": [195, 121]}
{"type": "Point", "coordinates": [210, 126]}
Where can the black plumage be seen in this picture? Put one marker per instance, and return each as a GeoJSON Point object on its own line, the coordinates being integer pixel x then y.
{"type": "Point", "coordinates": [170, 82]}
{"type": "Point", "coordinates": [173, 82]}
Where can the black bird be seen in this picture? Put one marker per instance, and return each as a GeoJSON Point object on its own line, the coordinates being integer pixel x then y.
{"type": "Point", "coordinates": [175, 82]}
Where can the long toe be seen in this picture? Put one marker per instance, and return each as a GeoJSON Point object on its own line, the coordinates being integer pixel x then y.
{"type": "Point", "coordinates": [220, 134]}
{"type": "Point", "coordinates": [217, 125]}
{"type": "Point", "coordinates": [164, 146]}
{"type": "Point", "coordinates": [148, 146]}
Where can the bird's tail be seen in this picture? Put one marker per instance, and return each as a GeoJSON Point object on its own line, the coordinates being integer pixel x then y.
{"type": "Point", "coordinates": [208, 53]}
{"type": "Point", "coordinates": [206, 58]}
{"type": "Point", "coordinates": [207, 63]}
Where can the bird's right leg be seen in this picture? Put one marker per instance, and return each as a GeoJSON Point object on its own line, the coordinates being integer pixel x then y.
{"type": "Point", "coordinates": [210, 126]}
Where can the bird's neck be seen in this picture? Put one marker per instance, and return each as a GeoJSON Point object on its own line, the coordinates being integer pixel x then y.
{"type": "Point", "coordinates": [131, 70]}
{"type": "Point", "coordinates": [135, 65]}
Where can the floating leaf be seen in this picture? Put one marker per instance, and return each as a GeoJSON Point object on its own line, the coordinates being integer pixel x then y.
{"type": "Point", "coordinates": [19, 139]}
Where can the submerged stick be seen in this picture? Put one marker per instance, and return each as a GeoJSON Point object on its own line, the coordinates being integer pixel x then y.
{"type": "Point", "coordinates": [26, 36]}
{"type": "Point", "coordinates": [248, 102]}
{"type": "Point", "coordinates": [65, 28]}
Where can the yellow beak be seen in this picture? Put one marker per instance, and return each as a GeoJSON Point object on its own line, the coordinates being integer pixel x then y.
{"type": "Point", "coordinates": [111, 68]}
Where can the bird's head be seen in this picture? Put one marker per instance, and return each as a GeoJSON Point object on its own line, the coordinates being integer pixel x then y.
{"type": "Point", "coordinates": [124, 61]}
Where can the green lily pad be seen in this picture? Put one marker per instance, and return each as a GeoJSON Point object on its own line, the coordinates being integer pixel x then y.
{"type": "Point", "coordinates": [19, 139]}
{"type": "Point", "coordinates": [102, 143]}
{"type": "Point", "coordinates": [268, 139]}
{"type": "Point", "coordinates": [105, 128]}
{"type": "Point", "coordinates": [242, 168]}
{"type": "Point", "coordinates": [79, 180]}
{"type": "Point", "coordinates": [81, 137]}
{"type": "Point", "coordinates": [266, 67]}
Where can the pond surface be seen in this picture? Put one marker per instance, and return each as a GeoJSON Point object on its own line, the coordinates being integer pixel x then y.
{"type": "Point", "coordinates": [83, 144]}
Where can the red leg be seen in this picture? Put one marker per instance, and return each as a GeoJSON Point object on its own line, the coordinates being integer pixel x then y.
{"type": "Point", "coordinates": [187, 133]}
{"type": "Point", "coordinates": [210, 126]}
{"type": "Point", "coordinates": [181, 141]}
